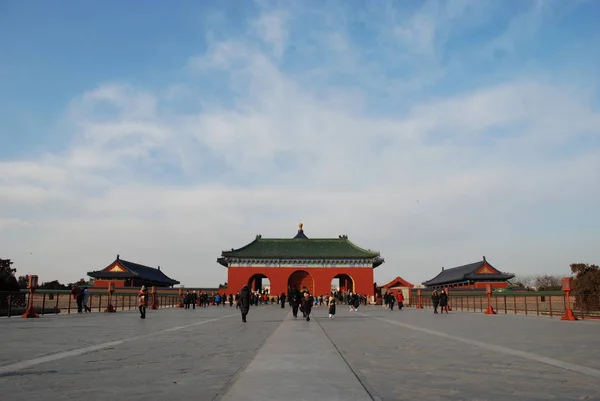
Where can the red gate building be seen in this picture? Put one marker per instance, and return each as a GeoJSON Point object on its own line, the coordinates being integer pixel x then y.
{"type": "Point", "coordinates": [301, 262]}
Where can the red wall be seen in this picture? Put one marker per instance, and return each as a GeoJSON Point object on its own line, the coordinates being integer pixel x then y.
{"type": "Point", "coordinates": [278, 277]}
{"type": "Point", "coordinates": [498, 284]}
{"type": "Point", "coordinates": [104, 283]}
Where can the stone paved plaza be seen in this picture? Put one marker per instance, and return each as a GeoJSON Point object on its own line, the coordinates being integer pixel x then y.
{"type": "Point", "coordinates": [373, 354]}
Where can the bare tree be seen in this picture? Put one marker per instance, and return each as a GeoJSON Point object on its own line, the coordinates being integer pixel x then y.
{"type": "Point", "coordinates": [548, 283]}
{"type": "Point", "coordinates": [526, 282]}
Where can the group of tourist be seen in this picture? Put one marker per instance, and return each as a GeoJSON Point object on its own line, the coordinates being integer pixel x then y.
{"type": "Point", "coordinates": [389, 300]}
{"type": "Point", "coordinates": [81, 296]}
{"type": "Point", "coordinates": [191, 299]}
{"type": "Point", "coordinates": [302, 301]}
{"type": "Point", "coordinates": [441, 300]}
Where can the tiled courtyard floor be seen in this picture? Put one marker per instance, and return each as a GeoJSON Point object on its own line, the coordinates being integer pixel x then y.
{"type": "Point", "coordinates": [373, 354]}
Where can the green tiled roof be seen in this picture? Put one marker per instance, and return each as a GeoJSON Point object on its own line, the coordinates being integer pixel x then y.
{"type": "Point", "coordinates": [301, 248]}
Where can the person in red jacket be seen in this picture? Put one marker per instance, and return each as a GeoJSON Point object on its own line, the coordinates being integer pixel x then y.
{"type": "Point", "coordinates": [400, 299]}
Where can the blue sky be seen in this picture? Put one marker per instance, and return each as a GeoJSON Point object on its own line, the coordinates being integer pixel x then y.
{"type": "Point", "coordinates": [169, 131]}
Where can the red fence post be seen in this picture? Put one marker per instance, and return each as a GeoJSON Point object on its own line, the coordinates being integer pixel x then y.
{"type": "Point", "coordinates": [488, 291]}
{"type": "Point", "coordinates": [180, 296]}
{"type": "Point", "coordinates": [419, 299]}
{"type": "Point", "coordinates": [566, 287]}
{"type": "Point", "coordinates": [111, 290]}
{"type": "Point", "coordinates": [32, 285]}
{"type": "Point", "coordinates": [154, 304]}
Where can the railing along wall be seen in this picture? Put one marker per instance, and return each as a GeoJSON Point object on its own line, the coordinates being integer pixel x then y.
{"type": "Point", "coordinates": [547, 303]}
{"type": "Point", "coordinates": [13, 303]}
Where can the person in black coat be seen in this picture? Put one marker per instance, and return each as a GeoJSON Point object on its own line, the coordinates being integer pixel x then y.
{"type": "Point", "coordinates": [331, 304]}
{"type": "Point", "coordinates": [244, 302]}
{"type": "Point", "coordinates": [435, 300]}
{"type": "Point", "coordinates": [444, 301]}
{"type": "Point", "coordinates": [282, 300]}
{"type": "Point", "coordinates": [307, 304]}
{"type": "Point", "coordinates": [295, 299]}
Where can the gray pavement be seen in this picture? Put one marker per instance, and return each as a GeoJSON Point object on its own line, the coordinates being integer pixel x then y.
{"type": "Point", "coordinates": [298, 361]}
{"type": "Point", "coordinates": [209, 354]}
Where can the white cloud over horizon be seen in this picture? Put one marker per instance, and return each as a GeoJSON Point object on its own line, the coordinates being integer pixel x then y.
{"type": "Point", "coordinates": [241, 144]}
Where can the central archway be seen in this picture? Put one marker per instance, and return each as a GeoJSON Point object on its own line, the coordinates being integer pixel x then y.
{"type": "Point", "coordinates": [259, 282]}
{"type": "Point", "coordinates": [343, 283]}
{"type": "Point", "coordinates": [301, 279]}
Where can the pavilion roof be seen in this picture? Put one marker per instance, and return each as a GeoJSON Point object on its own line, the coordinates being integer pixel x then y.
{"type": "Point", "coordinates": [124, 269]}
{"type": "Point", "coordinates": [481, 270]}
{"type": "Point", "coordinates": [301, 247]}
{"type": "Point", "coordinates": [398, 282]}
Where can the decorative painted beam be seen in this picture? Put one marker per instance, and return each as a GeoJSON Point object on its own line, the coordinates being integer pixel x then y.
{"type": "Point", "coordinates": [295, 263]}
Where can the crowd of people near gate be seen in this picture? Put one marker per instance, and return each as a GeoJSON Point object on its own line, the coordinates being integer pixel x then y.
{"type": "Point", "coordinates": [191, 299]}
{"type": "Point", "coordinates": [299, 300]}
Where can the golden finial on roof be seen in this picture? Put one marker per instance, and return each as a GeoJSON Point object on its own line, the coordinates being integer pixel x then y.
{"type": "Point", "coordinates": [300, 226]}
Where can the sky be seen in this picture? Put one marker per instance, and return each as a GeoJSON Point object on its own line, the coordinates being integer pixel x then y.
{"type": "Point", "coordinates": [435, 132]}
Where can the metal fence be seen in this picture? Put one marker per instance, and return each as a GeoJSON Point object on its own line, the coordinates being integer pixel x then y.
{"type": "Point", "coordinates": [14, 303]}
{"type": "Point", "coordinates": [539, 304]}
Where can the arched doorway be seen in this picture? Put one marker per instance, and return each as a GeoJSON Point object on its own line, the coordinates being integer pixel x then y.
{"type": "Point", "coordinates": [342, 283]}
{"type": "Point", "coordinates": [259, 282]}
{"type": "Point", "coordinates": [301, 279]}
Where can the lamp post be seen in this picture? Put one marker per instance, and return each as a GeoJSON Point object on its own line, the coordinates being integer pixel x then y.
{"type": "Point", "coordinates": [154, 304]}
{"type": "Point", "coordinates": [566, 287]}
{"type": "Point", "coordinates": [111, 289]}
{"type": "Point", "coordinates": [488, 291]}
{"type": "Point", "coordinates": [32, 285]}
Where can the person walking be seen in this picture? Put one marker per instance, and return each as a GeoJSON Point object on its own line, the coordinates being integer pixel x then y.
{"type": "Point", "coordinates": [400, 300]}
{"type": "Point", "coordinates": [282, 300]}
{"type": "Point", "coordinates": [245, 302]}
{"type": "Point", "coordinates": [307, 304]}
{"type": "Point", "coordinates": [85, 299]}
{"type": "Point", "coordinates": [143, 301]}
{"type": "Point", "coordinates": [295, 301]}
{"type": "Point", "coordinates": [78, 296]}
{"type": "Point", "coordinates": [435, 300]}
{"type": "Point", "coordinates": [194, 299]}
{"type": "Point", "coordinates": [187, 298]}
{"type": "Point", "coordinates": [444, 301]}
{"type": "Point", "coordinates": [356, 301]}
{"type": "Point", "coordinates": [331, 304]}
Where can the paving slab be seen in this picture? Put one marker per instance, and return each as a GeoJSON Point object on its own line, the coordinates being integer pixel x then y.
{"type": "Point", "coordinates": [399, 356]}
{"type": "Point", "coordinates": [298, 361]}
{"type": "Point", "coordinates": [172, 354]}
{"type": "Point", "coordinates": [209, 354]}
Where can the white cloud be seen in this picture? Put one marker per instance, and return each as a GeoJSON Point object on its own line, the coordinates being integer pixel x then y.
{"type": "Point", "coordinates": [270, 27]}
{"type": "Point", "coordinates": [441, 183]}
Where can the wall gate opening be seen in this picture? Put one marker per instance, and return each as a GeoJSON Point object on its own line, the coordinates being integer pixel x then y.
{"type": "Point", "coordinates": [259, 282]}
{"type": "Point", "coordinates": [301, 279]}
{"type": "Point", "coordinates": [342, 283]}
